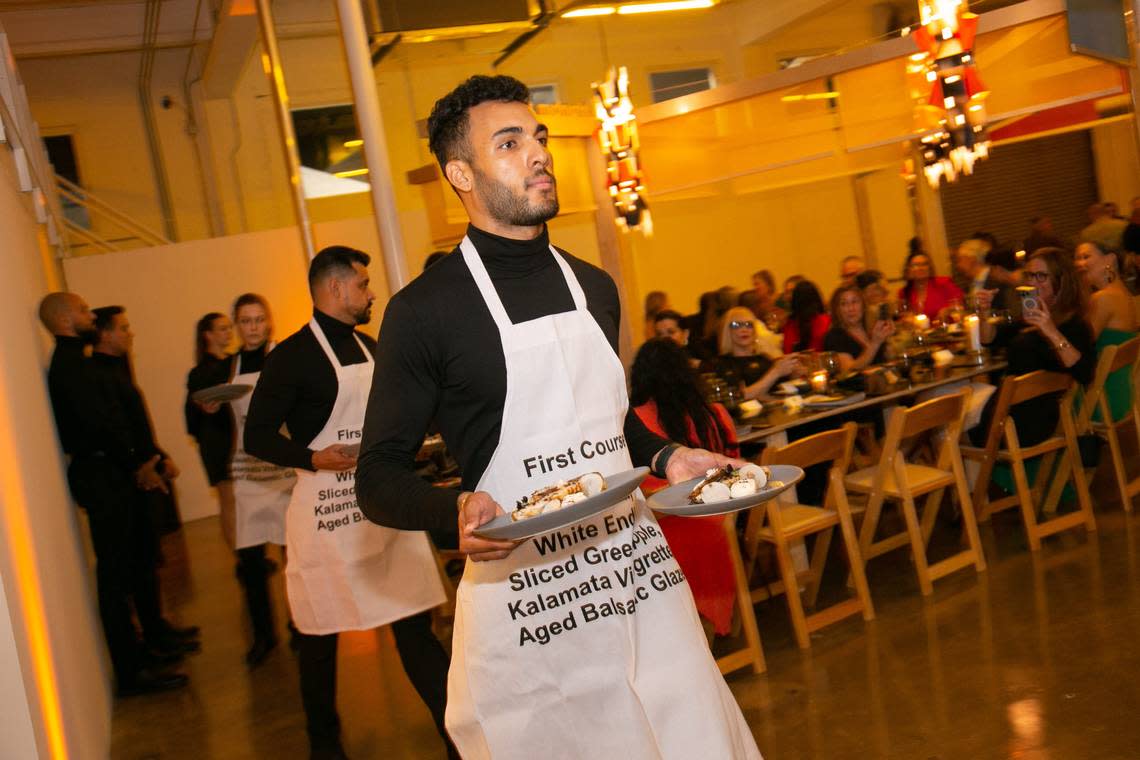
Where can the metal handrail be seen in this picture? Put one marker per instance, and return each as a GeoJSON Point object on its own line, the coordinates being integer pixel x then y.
{"type": "Point", "coordinates": [89, 236]}
{"type": "Point", "coordinates": [84, 198]}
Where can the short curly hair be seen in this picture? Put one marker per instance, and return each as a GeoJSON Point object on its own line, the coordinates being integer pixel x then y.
{"type": "Point", "coordinates": [447, 125]}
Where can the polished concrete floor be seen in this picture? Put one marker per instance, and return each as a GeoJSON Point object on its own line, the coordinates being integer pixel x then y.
{"type": "Point", "coordinates": [1038, 657]}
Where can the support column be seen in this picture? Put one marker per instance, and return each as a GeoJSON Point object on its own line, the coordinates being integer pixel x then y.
{"type": "Point", "coordinates": [271, 62]}
{"type": "Point", "coordinates": [371, 124]}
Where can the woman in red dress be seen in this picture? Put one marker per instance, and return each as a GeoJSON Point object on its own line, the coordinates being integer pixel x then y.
{"type": "Point", "coordinates": [808, 321]}
{"type": "Point", "coordinates": [667, 399]}
{"type": "Point", "coordinates": [925, 292]}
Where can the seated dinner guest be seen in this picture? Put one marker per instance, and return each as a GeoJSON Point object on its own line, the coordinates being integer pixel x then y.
{"type": "Point", "coordinates": [655, 302]}
{"type": "Point", "coordinates": [1055, 337]}
{"type": "Point", "coordinates": [849, 337]}
{"type": "Point", "coordinates": [1111, 315]}
{"type": "Point", "coordinates": [924, 292]}
{"type": "Point", "coordinates": [671, 325]}
{"type": "Point", "coordinates": [808, 321]}
{"type": "Point", "coordinates": [742, 362]}
{"type": "Point", "coordinates": [666, 397]}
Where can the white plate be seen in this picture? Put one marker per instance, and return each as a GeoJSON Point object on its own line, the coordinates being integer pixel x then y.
{"type": "Point", "coordinates": [674, 500]}
{"type": "Point", "coordinates": [854, 398]}
{"type": "Point", "coordinates": [618, 487]}
{"type": "Point", "coordinates": [221, 393]}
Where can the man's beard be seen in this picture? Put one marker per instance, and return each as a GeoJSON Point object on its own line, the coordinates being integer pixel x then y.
{"type": "Point", "coordinates": [362, 315]}
{"type": "Point", "coordinates": [513, 208]}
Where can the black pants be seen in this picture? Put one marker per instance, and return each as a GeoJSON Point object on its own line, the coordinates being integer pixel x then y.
{"type": "Point", "coordinates": [255, 583]}
{"type": "Point", "coordinates": [421, 654]}
{"type": "Point", "coordinates": [126, 556]}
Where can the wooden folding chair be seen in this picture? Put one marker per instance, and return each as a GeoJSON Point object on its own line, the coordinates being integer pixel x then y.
{"type": "Point", "coordinates": [750, 655]}
{"type": "Point", "coordinates": [1112, 359]}
{"type": "Point", "coordinates": [895, 479]}
{"type": "Point", "coordinates": [782, 522]}
{"type": "Point", "coordinates": [1015, 390]}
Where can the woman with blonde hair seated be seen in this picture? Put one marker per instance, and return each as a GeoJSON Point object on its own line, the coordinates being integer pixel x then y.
{"type": "Point", "coordinates": [1112, 316]}
{"type": "Point", "coordinates": [745, 356]}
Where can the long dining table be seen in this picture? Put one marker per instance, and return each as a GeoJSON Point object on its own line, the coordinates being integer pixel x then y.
{"type": "Point", "coordinates": [772, 425]}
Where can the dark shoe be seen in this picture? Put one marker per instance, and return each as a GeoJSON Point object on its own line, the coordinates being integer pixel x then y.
{"type": "Point", "coordinates": [151, 682]}
{"type": "Point", "coordinates": [171, 645]}
{"type": "Point", "coordinates": [328, 753]}
{"type": "Point", "coordinates": [161, 658]}
{"type": "Point", "coordinates": [259, 651]}
{"type": "Point", "coordinates": [174, 632]}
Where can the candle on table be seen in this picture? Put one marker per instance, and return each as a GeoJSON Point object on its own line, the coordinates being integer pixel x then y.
{"type": "Point", "coordinates": [973, 327]}
{"type": "Point", "coordinates": [819, 381]}
{"type": "Point", "coordinates": [921, 322]}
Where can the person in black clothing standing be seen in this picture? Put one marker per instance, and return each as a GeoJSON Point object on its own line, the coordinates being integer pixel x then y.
{"type": "Point", "coordinates": [110, 363]}
{"type": "Point", "coordinates": [343, 572]}
{"type": "Point", "coordinates": [211, 423]}
{"type": "Point", "coordinates": [105, 475]}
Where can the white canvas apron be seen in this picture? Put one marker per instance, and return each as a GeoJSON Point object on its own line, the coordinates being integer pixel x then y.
{"type": "Point", "coordinates": [344, 572]}
{"type": "Point", "coordinates": [261, 489]}
{"type": "Point", "coordinates": [584, 643]}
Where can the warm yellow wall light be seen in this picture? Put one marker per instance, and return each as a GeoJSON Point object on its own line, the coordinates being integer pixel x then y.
{"type": "Point", "coordinates": [605, 10]}
{"type": "Point", "coordinates": [670, 5]}
{"type": "Point", "coordinates": [30, 585]}
{"type": "Point", "coordinates": [353, 143]}
{"type": "Point", "coordinates": [352, 173]}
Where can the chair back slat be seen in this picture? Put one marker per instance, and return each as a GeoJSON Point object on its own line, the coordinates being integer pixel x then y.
{"type": "Point", "coordinates": [1039, 383]}
{"type": "Point", "coordinates": [934, 413]}
{"type": "Point", "coordinates": [828, 446]}
{"type": "Point", "coordinates": [1125, 355]}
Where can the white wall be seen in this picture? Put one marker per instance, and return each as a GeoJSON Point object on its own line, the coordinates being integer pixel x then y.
{"type": "Point", "coordinates": [50, 616]}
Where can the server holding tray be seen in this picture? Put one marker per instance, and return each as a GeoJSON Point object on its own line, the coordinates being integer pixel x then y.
{"type": "Point", "coordinates": [583, 642]}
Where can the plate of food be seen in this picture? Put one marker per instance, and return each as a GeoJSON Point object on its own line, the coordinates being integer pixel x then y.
{"type": "Point", "coordinates": [563, 503]}
{"type": "Point", "coordinates": [827, 401]}
{"type": "Point", "coordinates": [726, 489]}
{"type": "Point", "coordinates": [221, 393]}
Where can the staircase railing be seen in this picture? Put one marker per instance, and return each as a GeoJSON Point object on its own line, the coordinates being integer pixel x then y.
{"type": "Point", "coordinates": [125, 226]}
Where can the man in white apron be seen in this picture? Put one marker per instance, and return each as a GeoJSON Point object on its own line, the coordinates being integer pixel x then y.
{"type": "Point", "coordinates": [583, 643]}
{"type": "Point", "coordinates": [261, 490]}
{"type": "Point", "coordinates": [343, 573]}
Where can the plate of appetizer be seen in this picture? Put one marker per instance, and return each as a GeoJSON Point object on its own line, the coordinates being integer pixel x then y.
{"type": "Point", "coordinates": [827, 401]}
{"type": "Point", "coordinates": [563, 503]}
{"type": "Point", "coordinates": [221, 393]}
{"type": "Point", "coordinates": [726, 489]}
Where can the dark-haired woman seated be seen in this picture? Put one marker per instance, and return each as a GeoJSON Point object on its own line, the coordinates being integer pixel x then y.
{"type": "Point", "coordinates": [1111, 315]}
{"type": "Point", "coordinates": [1054, 337]}
{"type": "Point", "coordinates": [808, 321]}
{"type": "Point", "coordinates": [856, 346]}
{"type": "Point", "coordinates": [667, 399]}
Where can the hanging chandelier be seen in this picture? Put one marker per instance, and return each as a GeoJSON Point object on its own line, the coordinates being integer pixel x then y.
{"type": "Point", "coordinates": [950, 113]}
{"type": "Point", "coordinates": [617, 137]}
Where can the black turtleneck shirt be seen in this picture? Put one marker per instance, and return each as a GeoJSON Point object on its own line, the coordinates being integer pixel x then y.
{"type": "Point", "coordinates": [91, 422]}
{"type": "Point", "coordinates": [440, 358]}
{"type": "Point", "coordinates": [297, 389]}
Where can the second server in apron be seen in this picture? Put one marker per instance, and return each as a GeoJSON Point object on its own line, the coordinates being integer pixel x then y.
{"type": "Point", "coordinates": [343, 573]}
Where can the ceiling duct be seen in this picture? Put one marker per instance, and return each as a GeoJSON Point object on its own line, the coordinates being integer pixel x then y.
{"type": "Point", "coordinates": [420, 16]}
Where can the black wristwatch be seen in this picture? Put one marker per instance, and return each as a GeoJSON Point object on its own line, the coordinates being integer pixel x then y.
{"type": "Point", "coordinates": [662, 460]}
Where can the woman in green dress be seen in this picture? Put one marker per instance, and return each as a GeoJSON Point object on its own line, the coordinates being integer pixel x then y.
{"type": "Point", "coordinates": [1112, 315]}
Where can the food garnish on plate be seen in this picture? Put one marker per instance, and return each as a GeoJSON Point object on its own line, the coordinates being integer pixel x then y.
{"type": "Point", "coordinates": [729, 482]}
{"type": "Point", "coordinates": [559, 496]}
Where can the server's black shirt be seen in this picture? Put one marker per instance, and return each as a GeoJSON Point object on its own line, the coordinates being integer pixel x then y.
{"type": "Point", "coordinates": [207, 373]}
{"type": "Point", "coordinates": [440, 357]}
{"type": "Point", "coordinates": [89, 421]}
{"type": "Point", "coordinates": [114, 377]}
{"type": "Point", "coordinates": [298, 388]}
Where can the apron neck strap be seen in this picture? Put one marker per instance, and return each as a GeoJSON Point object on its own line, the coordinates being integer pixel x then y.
{"type": "Point", "coordinates": [323, 341]}
{"type": "Point", "coordinates": [491, 296]}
